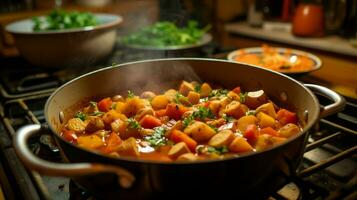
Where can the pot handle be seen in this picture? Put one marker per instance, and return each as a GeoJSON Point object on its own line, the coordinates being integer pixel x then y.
{"type": "Point", "coordinates": [338, 101]}
{"type": "Point", "coordinates": [126, 179]}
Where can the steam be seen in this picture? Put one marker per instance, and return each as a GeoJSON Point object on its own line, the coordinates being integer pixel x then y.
{"type": "Point", "coordinates": [157, 76]}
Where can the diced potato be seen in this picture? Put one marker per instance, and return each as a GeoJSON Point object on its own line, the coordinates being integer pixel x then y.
{"type": "Point", "coordinates": [265, 120]}
{"type": "Point", "coordinates": [288, 130]}
{"type": "Point", "coordinates": [147, 95]}
{"type": "Point", "coordinates": [217, 122]}
{"type": "Point", "coordinates": [267, 108]}
{"type": "Point", "coordinates": [235, 109]}
{"type": "Point", "coordinates": [205, 90]}
{"type": "Point", "coordinates": [240, 145]}
{"type": "Point", "coordinates": [132, 106]}
{"type": "Point", "coordinates": [233, 95]}
{"type": "Point", "coordinates": [244, 121]}
{"type": "Point", "coordinates": [94, 124]}
{"type": "Point", "coordinates": [222, 138]}
{"type": "Point", "coordinates": [185, 88]}
{"type": "Point", "coordinates": [224, 101]}
{"type": "Point", "coordinates": [187, 157]}
{"type": "Point", "coordinates": [142, 112]}
{"type": "Point", "coordinates": [76, 125]}
{"type": "Point", "coordinates": [146, 132]}
{"type": "Point", "coordinates": [130, 132]}
{"type": "Point", "coordinates": [255, 99]}
{"type": "Point", "coordinates": [193, 97]}
{"type": "Point", "coordinates": [160, 102]}
{"type": "Point", "coordinates": [118, 98]}
{"type": "Point", "coordinates": [112, 115]}
{"type": "Point", "coordinates": [200, 131]}
{"type": "Point", "coordinates": [178, 149]}
{"type": "Point", "coordinates": [170, 94]}
{"type": "Point", "coordinates": [128, 147]}
{"type": "Point", "coordinates": [118, 126]}
{"type": "Point", "coordinates": [119, 107]}
{"type": "Point", "coordinates": [214, 106]}
{"type": "Point", "coordinates": [90, 142]}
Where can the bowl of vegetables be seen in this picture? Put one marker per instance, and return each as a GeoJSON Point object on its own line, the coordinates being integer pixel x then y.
{"type": "Point", "coordinates": [65, 38]}
{"type": "Point", "coordinates": [165, 35]}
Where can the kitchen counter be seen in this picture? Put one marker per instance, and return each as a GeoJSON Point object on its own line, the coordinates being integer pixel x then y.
{"type": "Point", "coordinates": [338, 72]}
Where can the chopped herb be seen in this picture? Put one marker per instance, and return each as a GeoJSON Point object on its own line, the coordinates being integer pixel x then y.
{"type": "Point", "coordinates": [250, 112]}
{"type": "Point", "coordinates": [93, 103]}
{"type": "Point", "coordinates": [114, 105]}
{"type": "Point", "coordinates": [81, 116]}
{"type": "Point", "coordinates": [218, 93]}
{"type": "Point", "coordinates": [217, 150]}
{"type": "Point", "coordinates": [179, 99]}
{"type": "Point", "coordinates": [214, 128]}
{"type": "Point", "coordinates": [201, 113]}
{"type": "Point", "coordinates": [133, 123]}
{"type": "Point", "coordinates": [187, 120]}
{"type": "Point", "coordinates": [130, 94]}
{"type": "Point", "coordinates": [157, 138]}
{"type": "Point", "coordinates": [227, 118]}
{"type": "Point", "coordinates": [97, 113]}
{"type": "Point", "coordinates": [198, 88]}
{"type": "Point", "coordinates": [242, 96]}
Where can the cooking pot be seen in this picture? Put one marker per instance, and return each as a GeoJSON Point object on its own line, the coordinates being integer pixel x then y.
{"type": "Point", "coordinates": [251, 175]}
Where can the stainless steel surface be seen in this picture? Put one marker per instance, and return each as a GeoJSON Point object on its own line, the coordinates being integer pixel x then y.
{"type": "Point", "coordinates": [126, 179]}
{"type": "Point", "coordinates": [336, 106]}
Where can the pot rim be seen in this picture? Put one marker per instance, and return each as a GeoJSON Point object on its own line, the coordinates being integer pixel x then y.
{"type": "Point", "coordinates": [307, 127]}
{"type": "Point", "coordinates": [114, 22]}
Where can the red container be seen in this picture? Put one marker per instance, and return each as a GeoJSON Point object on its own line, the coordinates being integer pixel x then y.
{"type": "Point", "coordinates": [308, 20]}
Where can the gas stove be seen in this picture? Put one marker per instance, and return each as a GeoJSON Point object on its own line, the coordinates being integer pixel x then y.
{"type": "Point", "coordinates": [328, 170]}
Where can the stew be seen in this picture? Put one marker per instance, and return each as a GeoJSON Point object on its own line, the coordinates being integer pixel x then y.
{"type": "Point", "coordinates": [192, 123]}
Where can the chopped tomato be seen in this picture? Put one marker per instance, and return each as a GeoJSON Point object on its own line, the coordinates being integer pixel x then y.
{"type": "Point", "coordinates": [284, 117]}
{"type": "Point", "coordinates": [179, 136]}
{"type": "Point", "coordinates": [112, 142]}
{"type": "Point", "coordinates": [160, 113]}
{"type": "Point", "coordinates": [70, 135]}
{"type": "Point", "coordinates": [269, 131]}
{"type": "Point", "coordinates": [149, 121]}
{"type": "Point", "coordinates": [175, 111]}
{"type": "Point", "coordinates": [105, 104]}
{"type": "Point", "coordinates": [237, 90]}
{"type": "Point", "coordinates": [251, 133]}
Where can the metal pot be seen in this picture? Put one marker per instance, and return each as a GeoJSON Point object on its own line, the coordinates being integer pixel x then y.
{"type": "Point", "coordinates": [252, 175]}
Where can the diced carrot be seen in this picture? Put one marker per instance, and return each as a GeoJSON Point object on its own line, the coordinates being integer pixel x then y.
{"type": "Point", "coordinates": [179, 136]}
{"type": "Point", "coordinates": [237, 90]}
{"type": "Point", "coordinates": [284, 117]}
{"type": "Point", "coordinates": [269, 131]}
{"type": "Point", "coordinates": [105, 104]}
{"type": "Point", "coordinates": [70, 135]}
{"type": "Point", "coordinates": [149, 121]}
{"type": "Point", "coordinates": [175, 111]}
{"type": "Point", "coordinates": [251, 133]}
{"type": "Point", "coordinates": [160, 113]}
{"type": "Point", "coordinates": [112, 142]}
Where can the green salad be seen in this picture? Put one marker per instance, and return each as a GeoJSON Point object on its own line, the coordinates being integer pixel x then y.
{"type": "Point", "coordinates": [163, 34]}
{"type": "Point", "coordinates": [60, 19]}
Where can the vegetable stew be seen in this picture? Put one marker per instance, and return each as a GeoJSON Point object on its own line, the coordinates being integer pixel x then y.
{"type": "Point", "coordinates": [192, 123]}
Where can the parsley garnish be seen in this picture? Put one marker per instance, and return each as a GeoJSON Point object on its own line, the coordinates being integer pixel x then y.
{"type": "Point", "coordinates": [217, 150]}
{"type": "Point", "coordinates": [242, 96]}
{"type": "Point", "coordinates": [198, 88]}
{"type": "Point", "coordinates": [130, 94]}
{"type": "Point", "coordinates": [218, 93]}
{"type": "Point", "coordinates": [201, 113]}
{"type": "Point", "coordinates": [250, 112]}
{"type": "Point", "coordinates": [157, 138]}
{"type": "Point", "coordinates": [81, 116]}
{"type": "Point", "coordinates": [179, 99]}
{"type": "Point", "coordinates": [227, 118]}
{"type": "Point", "coordinates": [132, 123]}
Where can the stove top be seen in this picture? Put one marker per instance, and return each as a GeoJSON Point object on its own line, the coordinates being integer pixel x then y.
{"type": "Point", "coordinates": [328, 170]}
